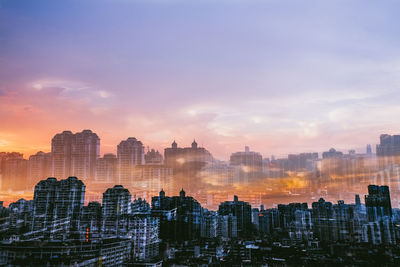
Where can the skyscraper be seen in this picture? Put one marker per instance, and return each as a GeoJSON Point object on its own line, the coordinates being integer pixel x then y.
{"type": "Point", "coordinates": [61, 146]}
{"type": "Point", "coordinates": [249, 162]}
{"type": "Point", "coordinates": [85, 152]}
{"type": "Point", "coordinates": [55, 200]}
{"type": "Point", "coordinates": [13, 171]}
{"type": "Point", "coordinates": [39, 167]}
{"type": "Point", "coordinates": [130, 153]}
{"type": "Point", "coordinates": [107, 169]}
{"type": "Point", "coordinates": [241, 210]}
{"type": "Point", "coordinates": [187, 162]}
{"type": "Point", "coordinates": [378, 202]}
{"type": "Point", "coordinates": [388, 151]}
{"type": "Point", "coordinates": [145, 230]}
{"type": "Point", "coordinates": [75, 154]}
{"type": "Point", "coordinates": [187, 158]}
{"type": "Point", "coordinates": [116, 205]}
{"type": "Point", "coordinates": [90, 222]}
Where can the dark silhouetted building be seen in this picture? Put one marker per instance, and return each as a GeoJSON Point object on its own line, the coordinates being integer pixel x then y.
{"type": "Point", "coordinates": [378, 202]}
{"type": "Point", "coordinates": [180, 216]}
{"type": "Point", "coordinates": [332, 153]}
{"type": "Point", "coordinates": [241, 210]}
{"type": "Point", "coordinates": [90, 222]}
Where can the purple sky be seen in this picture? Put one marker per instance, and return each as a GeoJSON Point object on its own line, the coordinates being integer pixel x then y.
{"type": "Point", "coordinates": [280, 76]}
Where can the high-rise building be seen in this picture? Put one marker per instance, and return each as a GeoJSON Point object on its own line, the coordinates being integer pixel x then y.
{"type": "Point", "coordinates": [57, 200]}
{"type": "Point", "coordinates": [85, 152]}
{"type": "Point", "coordinates": [227, 226]}
{"type": "Point", "coordinates": [302, 161]}
{"type": "Point", "coordinates": [75, 154]}
{"type": "Point", "coordinates": [378, 202]}
{"type": "Point", "coordinates": [250, 163]}
{"type": "Point", "coordinates": [180, 216]}
{"type": "Point", "coordinates": [39, 167]}
{"type": "Point", "coordinates": [107, 169]}
{"type": "Point", "coordinates": [249, 159]}
{"type": "Point", "coordinates": [130, 153]}
{"type": "Point", "coordinates": [61, 146]}
{"type": "Point", "coordinates": [153, 157]}
{"type": "Point", "coordinates": [241, 210]}
{"type": "Point", "coordinates": [145, 230]}
{"type": "Point", "coordinates": [332, 153]}
{"type": "Point", "coordinates": [116, 207]}
{"type": "Point", "coordinates": [151, 178]}
{"type": "Point", "coordinates": [323, 220]}
{"type": "Point", "coordinates": [209, 225]}
{"type": "Point", "coordinates": [13, 171]}
{"type": "Point", "coordinates": [90, 222]}
{"type": "Point", "coordinates": [388, 151]}
{"type": "Point", "coordinates": [187, 162]}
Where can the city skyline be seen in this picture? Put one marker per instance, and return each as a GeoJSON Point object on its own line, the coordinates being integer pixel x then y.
{"type": "Point", "coordinates": [259, 180]}
{"type": "Point", "coordinates": [120, 230]}
{"type": "Point", "coordinates": [199, 133]}
{"type": "Point", "coordinates": [113, 149]}
{"type": "Point", "coordinates": [165, 70]}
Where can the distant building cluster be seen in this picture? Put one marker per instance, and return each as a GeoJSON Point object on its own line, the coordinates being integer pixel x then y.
{"type": "Point", "coordinates": [246, 173]}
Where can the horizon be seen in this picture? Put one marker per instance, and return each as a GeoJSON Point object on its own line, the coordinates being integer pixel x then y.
{"type": "Point", "coordinates": [360, 150]}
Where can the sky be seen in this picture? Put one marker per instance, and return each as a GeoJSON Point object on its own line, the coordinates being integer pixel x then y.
{"type": "Point", "coordinates": [279, 76]}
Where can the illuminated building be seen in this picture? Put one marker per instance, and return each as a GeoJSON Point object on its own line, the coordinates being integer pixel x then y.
{"type": "Point", "coordinates": [116, 207]}
{"type": "Point", "coordinates": [56, 200]}
{"type": "Point", "coordinates": [144, 230]}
